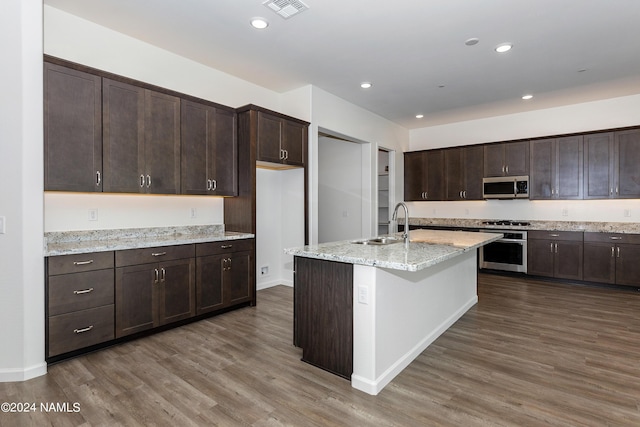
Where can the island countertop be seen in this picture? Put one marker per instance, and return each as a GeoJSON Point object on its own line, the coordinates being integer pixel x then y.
{"type": "Point", "coordinates": [426, 248]}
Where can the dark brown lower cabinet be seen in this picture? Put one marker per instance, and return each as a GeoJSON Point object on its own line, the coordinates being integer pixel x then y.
{"type": "Point", "coordinates": [612, 258]}
{"type": "Point", "coordinates": [555, 254]}
{"type": "Point", "coordinates": [224, 274]}
{"type": "Point", "coordinates": [80, 301]}
{"type": "Point", "coordinates": [153, 294]}
{"type": "Point", "coordinates": [323, 314]}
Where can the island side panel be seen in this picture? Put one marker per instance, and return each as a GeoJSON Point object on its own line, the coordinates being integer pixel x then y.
{"type": "Point", "coordinates": [406, 312]}
{"type": "Point", "coordinates": [323, 314]}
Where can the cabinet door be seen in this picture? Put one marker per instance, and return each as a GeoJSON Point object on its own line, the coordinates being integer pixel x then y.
{"type": "Point", "coordinates": [493, 160]}
{"type": "Point", "coordinates": [294, 142]}
{"type": "Point", "coordinates": [454, 173]}
{"type": "Point", "coordinates": [542, 178]}
{"type": "Point", "coordinates": [473, 172]}
{"type": "Point", "coordinates": [241, 278]}
{"type": "Point", "coordinates": [540, 257]}
{"type": "Point", "coordinates": [598, 166]}
{"type": "Point", "coordinates": [123, 136]}
{"type": "Point", "coordinates": [435, 175]}
{"type": "Point", "coordinates": [162, 143]}
{"type": "Point", "coordinates": [599, 262]}
{"type": "Point", "coordinates": [136, 297]}
{"type": "Point", "coordinates": [72, 130]}
{"type": "Point", "coordinates": [224, 150]}
{"type": "Point", "coordinates": [195, 129]}
{"type": "Point", "coordinates": [516, 158]}
{"type": "Point", "coordinates": [176, 291]}
{"type": "Point", "coordinates": [568, 164]}
{"type": "Point", "coordinates": [415, 181]}
{"type": "Point", "coordinates": [269, 135]}
{"type": "Point", "coordinates": [209, 283]}
{"type": "Point", "coordinates": [568, 260]}
{"type": "Point", "coordinates": [627, 148]}
{"type": "Point", "coordinates": [628, 265]}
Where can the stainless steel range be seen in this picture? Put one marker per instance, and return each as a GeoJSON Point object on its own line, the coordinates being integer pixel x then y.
{"type": "Point", "coordinates": [508, 253]}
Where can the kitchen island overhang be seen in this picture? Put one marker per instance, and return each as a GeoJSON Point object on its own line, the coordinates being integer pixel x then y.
{"type": "Point", "coordinates": [401, 299]}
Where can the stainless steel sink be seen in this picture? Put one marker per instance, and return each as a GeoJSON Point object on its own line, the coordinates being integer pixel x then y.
{"type": "Point", "coordinates": [378, 241]}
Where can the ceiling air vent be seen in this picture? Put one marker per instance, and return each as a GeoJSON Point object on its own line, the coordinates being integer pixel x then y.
{"type": "Point", "coordinates": [286, 8]}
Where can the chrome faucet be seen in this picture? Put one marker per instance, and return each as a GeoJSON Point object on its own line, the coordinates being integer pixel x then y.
{"type": "Point", "coordinates": [405, 233]}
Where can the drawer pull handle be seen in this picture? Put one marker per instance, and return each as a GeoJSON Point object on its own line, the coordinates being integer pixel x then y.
{"type": "Point", "coordinates": [615, 238]}
{"type": "Point", "coordinates": [158, 253]}
{"type": "Point", "coordinates": [87, 329]}
{"type": "Point", "coordinates": [226, 246]}
{"type": "Point", "coordinates": [554, 235]}
{"type": "Point", "coordinates": [83, 262]}
{"type": "Point", "coordinates": [84, 291]}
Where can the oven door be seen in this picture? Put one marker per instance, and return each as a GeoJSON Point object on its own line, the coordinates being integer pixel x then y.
{"type": "Point", "coordinates": [507, 254]}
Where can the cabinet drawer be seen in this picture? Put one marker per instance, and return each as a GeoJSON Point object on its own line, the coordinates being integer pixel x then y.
{"type": "Point", "coordinates": [225, 246]}
{"type": "Point", "coordinates": [155, 254]}
{"type": "Point", "coordinates": [79, 262]}
{"type": "Point", "coordinates": [612, 238]}
{"type": "Point", "coordinates": [80, 291]}
{"type": "Point", "coordinates": [68, 332]}
{"type": "Point", "coordinates": [575, 236]}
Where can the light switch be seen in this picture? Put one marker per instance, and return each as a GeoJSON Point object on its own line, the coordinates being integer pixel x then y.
{"type": "Point", "coordinates": [3, 222]}
{"type": "Point", "coordinates": [363, 294]}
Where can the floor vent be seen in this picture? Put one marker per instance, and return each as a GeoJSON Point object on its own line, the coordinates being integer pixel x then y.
{"type": "Point", "coordinates": [286, 8]}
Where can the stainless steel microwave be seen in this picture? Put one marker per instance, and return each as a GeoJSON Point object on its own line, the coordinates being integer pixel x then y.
{"type": "Point", "coordinates": [505, 187]}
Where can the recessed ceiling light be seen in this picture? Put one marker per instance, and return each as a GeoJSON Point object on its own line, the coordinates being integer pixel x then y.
{"type": "Point", "coordinates": [419, 116]}
{"type": "Point", "coordinates": [259, 23]}
{"type": "Point", "coordinates": [504, 47]}
{"type": "Point", "coordinates": [472, 41]}
{"type": "Point", "coordinates": [365, 85]}
{"type": "Point", "coordinates": [528, 96]}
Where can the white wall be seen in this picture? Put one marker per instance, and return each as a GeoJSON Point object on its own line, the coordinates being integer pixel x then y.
{"type": "Point", "coordinates": [21, 175]}
{"type": "Point", "coordinates": [279, 224]}
{"type": "Point", "coordinates": [335, 116]}
{"type": "Point", "coordinates": [588, 116]}
{"type": "Point", "coordinates": [340, 190]}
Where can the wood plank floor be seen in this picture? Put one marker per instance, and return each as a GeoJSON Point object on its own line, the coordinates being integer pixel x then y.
{"type": "Point", "coordinates": [530, 353]}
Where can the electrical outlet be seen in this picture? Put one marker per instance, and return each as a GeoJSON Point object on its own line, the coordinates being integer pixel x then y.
{"type": "Point", "coordinates": [363, 294]}
{"type": "Point", "coordinates": [3, 224]}
{"type": "Point", "coordinates": [193, 213]}
{"type": "Point", "coordinates": [93, 214]}
{"type": "Point", "coordinates": [627, 213]}
{"type": "Point", "coordinates": [264, 270]}
{"type": "Point", "coordinates": [565, 212]}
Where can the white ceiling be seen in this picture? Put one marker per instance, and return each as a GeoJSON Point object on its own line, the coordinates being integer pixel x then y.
{"type": "Point", "coordinates": [408, 49]}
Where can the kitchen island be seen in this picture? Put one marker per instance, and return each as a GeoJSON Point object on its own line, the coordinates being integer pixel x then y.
{"type": "Point", "coordinates": [366, 311]}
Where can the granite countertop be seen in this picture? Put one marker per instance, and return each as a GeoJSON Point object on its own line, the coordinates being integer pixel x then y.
{"type": "Point", "coordinates": [79, 242]}
{"type": "Point", "coordinates": [426, 248]}
{"type": "Point", "coordinates": [586, 226]}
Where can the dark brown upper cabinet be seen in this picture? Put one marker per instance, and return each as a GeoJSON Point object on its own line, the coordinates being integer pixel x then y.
{"type": "Point", "coordinates": [463, 169]}
{"type": "Point", "coordinates": [72, 130]}
{"type": "Point", "coordinates": [556, 168]}
{"type": "Point", "coordinates": [141, 135]}
{"type": "Point", "coordinates": [611, 162]}
{"type": "Point", "coordinates": [281, 140]}
{"type": "Point", "coordinates": [506, 159]}
{"type": "Point", "coordinates": [209, 150]}
{"type": "Point", "coordinates": [424, 175]}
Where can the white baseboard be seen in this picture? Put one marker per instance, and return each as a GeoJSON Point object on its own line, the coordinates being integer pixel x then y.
{"type": "Point", "coordinates": [17, 375]}
{"type": "Point", "coordinates": [272, 283]}
{"type": "Point", "coordinates": [374, 387]}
